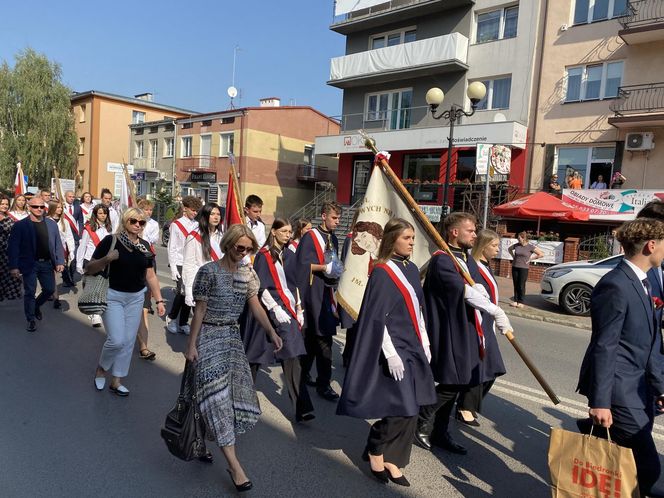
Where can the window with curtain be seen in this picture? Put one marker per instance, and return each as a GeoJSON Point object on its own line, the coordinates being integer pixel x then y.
{"type": "Point", "coordinates": [497, 24]}
{"type": "Point", "coordinates": [593, 81]}
{"type": "Point", "coordinates": [497, 94]}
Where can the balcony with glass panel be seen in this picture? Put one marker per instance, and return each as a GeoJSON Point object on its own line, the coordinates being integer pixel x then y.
{"type": "Point", "coordinates": [643, 22]}
{"type": "Point", "coordinates": [437, 55]}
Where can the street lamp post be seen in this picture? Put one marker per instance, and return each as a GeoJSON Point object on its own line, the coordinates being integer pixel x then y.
{"type": "Point", "coordinates": [434, 97]}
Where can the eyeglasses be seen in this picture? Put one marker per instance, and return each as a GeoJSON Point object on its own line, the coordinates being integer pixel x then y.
{"type": "Point", "coordinates": [133, 221]}
{"type": "Point", "coordinates": [244, 249]}
{"type": "Point", "coordinates": [42, 206]}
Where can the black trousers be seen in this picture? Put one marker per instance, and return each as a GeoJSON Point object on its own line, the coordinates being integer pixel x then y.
{"type": "Point", "coordinates": [351, 335]}
{"type": "Point", "coordinates": [519, 278]}
{"type": "Point", "coordinates": [434, 420]}
{"type": "Point", "coordinates": [471, 400]}
{"type": "Point", "coordinates": [319, 348]}
{"type": "Point", "coordinates": [178, 307]}
{"type": "Point", "coordinates": [294, 380]}
{"type": "Point", "coordinates": [392, 437]}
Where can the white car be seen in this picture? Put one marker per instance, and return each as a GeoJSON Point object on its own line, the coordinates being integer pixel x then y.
{"type": "Point", "coordinates": [569, 285]}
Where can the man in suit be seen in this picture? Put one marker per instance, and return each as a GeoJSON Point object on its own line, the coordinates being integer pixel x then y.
{"type": "Point", "coordinates": [71, 210]}
{"type": "Point", "coordinates": [655, 209]}
{"type": "Point", "coordinates": [621, 374]}
{"type": "Point", "coordinates": [34, 250]}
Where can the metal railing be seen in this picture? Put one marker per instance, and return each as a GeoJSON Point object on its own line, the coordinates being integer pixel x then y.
{"type": "Point", "coordinates": [639, 99]}
{"type": "Point", "coordinates": [643, 13]}
{"type": "Point", "coordinates": [393, 119]}
{"type": "Point", "coordinates": [323, 192]}
{"type": "Point", "coordinates": [382, 8]}
{"type": "Point", "coordinates": [311, 172]}
{"type": "Point", "coordinates": [196, 162]}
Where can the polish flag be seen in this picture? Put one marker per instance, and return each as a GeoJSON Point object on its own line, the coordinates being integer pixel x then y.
{"type": "Point", "coordinates": [233, 211]}
{"type": "Point", "coordinates": [19, 182]}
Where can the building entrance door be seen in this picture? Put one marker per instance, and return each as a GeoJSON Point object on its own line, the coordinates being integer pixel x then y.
{"type": "Point", "coordinates": [361, 175]}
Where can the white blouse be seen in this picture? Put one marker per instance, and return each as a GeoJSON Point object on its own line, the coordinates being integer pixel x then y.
{"type": "Point", "coordinates": [87, 247]}
{"type": "Point", "coordinates": [193, 260]}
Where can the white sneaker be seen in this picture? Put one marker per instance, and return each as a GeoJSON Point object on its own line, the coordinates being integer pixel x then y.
{"type": "Point", "coordinates": [96, 320]}
{"type": "Point", "coordinates": [185, 329]}
{"type": "Point", "coordinates": [172, 326]}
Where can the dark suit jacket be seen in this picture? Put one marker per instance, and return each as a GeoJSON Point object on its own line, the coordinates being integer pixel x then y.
{"type": "Point", "coordinates": [623, 363]}
{"type": "Point", "coordinates": [22, 245]}
{"type": "Point", "coordinates": [78, 218]}
{"type": "Point", "coordinates": [657, 290]}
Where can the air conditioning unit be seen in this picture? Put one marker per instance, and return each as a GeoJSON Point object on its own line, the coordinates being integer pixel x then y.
{"type": "Point", "coordinates": [639, 141]}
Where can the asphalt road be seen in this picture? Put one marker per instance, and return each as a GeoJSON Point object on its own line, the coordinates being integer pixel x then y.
{"type": "Point", "coordinates": [59, 437]}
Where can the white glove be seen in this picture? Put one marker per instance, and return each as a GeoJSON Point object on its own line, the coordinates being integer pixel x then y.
{"type": "Point", "coordinates": [300, 317]}
{"type": "Point", "coordinates": [395, 365]}
{"type": "Point", "coordinates": [189, 301]}
{"type": "Point", "coordinates": [328, 269]}
{"type": "Point", "coordinates": [482, 290]}
{"type": "Point", "coordinates": [281, 315]}
{"type": "Point", "coordinates": [175, 274]}
{"type": "Point", "coordinates": [502, 322]}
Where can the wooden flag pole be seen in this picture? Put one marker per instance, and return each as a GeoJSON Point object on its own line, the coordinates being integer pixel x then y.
{"type": "Point", "coordinates": [130, 183]}
{"type": "Point", "coordinates": [58, 187]}
{"type": "Point", "coordinates": [238, 202]}
{"type": "Point", "coordinates": [426, 223]}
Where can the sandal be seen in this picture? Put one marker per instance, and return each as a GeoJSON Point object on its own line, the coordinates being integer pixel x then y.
{"type": "Point", "coordinates": [146, 354]}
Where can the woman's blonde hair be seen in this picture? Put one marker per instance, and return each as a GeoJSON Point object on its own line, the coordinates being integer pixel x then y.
{"type": "Point", "coordinates": [392, 231]}
{"type": "Point", "coordinates": [235, 233]}
{"type": "Point", "coordinates": [127, 214]}
{"type": "Point", "coordinates": [52, 208]}
{"type": "Point", "coordinates": [484, 238]}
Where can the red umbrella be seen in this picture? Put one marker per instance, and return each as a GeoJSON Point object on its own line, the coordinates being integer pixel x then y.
{"type": "Point", "coordinates": [541, 205]}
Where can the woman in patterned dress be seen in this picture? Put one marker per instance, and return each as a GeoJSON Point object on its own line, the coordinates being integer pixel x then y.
{"type": "Point", "coordinates": [224, 387]}
{"type": "Point", "coordinates": [10, 287]}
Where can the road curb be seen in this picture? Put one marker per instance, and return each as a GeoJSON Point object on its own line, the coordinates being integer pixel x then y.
{"type": "Point", "coordinates": [549, 319]}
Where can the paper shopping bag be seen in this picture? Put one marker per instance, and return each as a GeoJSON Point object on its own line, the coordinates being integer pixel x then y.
{"type": "Point", "coordinates": [584, 466]}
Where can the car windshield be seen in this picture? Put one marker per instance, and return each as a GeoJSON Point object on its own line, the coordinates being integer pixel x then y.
{"type": "Point", "coordinates": [609, 262]}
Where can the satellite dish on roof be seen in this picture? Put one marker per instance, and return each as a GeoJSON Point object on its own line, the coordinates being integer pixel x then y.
{"type": "Point", "coordinates": [232, 92]}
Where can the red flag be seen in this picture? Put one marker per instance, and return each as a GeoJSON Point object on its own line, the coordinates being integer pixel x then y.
{"type": "Point", "coordinates": [19, 182]}
{"type": "Point", "coordinates": [233, 214]}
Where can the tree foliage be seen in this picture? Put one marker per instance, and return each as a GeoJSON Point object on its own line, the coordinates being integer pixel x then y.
{"type": "Point", "coordinates": [36, 121]}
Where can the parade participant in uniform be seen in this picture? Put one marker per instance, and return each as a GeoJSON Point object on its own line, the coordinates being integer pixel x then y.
{"type": "Point", "coordinates": [621, 373]}
{"type": "Point", "coordinates": [150, 234]}
{"type": "Point", "coordinates": [86, 203]}
{"type": "Point", "coordinates": [302, 226]}
{"type": "Point", "coordinates": [107, 200]}
{"type": "Point", "coordinates": [655, 209]}
{"type": "Point", "coordinates": [280, 298]}
{"type": "Point", "coordinates": [224, 387]}
{"type": "Point", "coordinates": [19, 208]}
{"type": "Point", "coordinates": [389, 376]}
{"type": "Point", "coordinates": [178, 232]}
{"type": "Point", "coordinates": [457, 339]}
{"type": "Point", "coordinates": [346, 321]}
{"type": "Point", "coordinates": [469, 403]}
{"type": "Point", "coordinates": [201, 246]}
{"type": "Point", "coordinates": [253, 207]}
{"type": "Point", "coordinates": [317, 277]}
{"type": "Point", "coordinates": [55, 213]}
{"type": "Point", "coordinates": [94, 232]}
{"type": "Point", "coordinates": [45, 194]}
{"type": "Point", "coordinates": [73, 215]}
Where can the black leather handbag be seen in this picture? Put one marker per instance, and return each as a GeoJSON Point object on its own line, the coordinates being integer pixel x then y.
{"type": "Point", "coordinates": [184, 428]}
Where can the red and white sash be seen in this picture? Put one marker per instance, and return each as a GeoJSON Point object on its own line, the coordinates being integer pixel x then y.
{"type": "Point", "coordinates": [279, 279]}
{"type": "Point", "coordinates": [179, 224]}
{"type": "Point", "coordinates": [93, 235]}
{"type": "Point", "coordinates": [9, 213]}
{"type": "Point", "coordinates": [407, 292]}
{"type": "Point", "coordinates": [71, 221]}
{"type": "Point", "coordinates": [86, 212]}
{"type": "Point", "coordinates": [215, 251]}
{"type": "Point", "coordinates": [319, 246]}
{"type": "Point", "coordinates": [491, 282]}
{"type": "Point", "coordinates": [292, 245]}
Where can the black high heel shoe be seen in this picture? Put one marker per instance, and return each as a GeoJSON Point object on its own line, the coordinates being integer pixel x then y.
{"type": "Point", "coordinates": [245, 486]}
{"type": "Point", "coordinates": [472, 423]}
{"type": "Point", "coordinates": [401, 480]}
{"type": "Point", "coordinates": [382, 475]}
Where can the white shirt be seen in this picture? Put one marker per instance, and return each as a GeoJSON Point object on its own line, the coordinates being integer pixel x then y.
{"type": "Point", "coordinates": [115, 218]}
{"type": "Point", "coordinates": [67, 239]}
{"type": "Point", "coordinates": [640, 274]}
{"type": "Point", "coordinates": [176, 243]}
{"type": "Point", "coordinates": [151, 231]}
{"type": "Point", "coordinates": [258, 229]}
{"type": "Point", "coordinates": [87, 247]}
{"type": "Point", "coordinates": [87, 211]}
{"type": "Point", "coordinates": [194, 259]}
{"type": "Point", "coordinates": [18, 215]}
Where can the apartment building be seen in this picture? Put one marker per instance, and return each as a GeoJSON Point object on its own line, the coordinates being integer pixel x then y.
{"type": "Point", "coordinates": [272, 147]}
{"type": "Point", "coordinates": [396, 51]}
{"type": "Point", "coordinates": [152, 153]}
{"type": "Point", "coordinates": [101, 123]}
{"type": "Point", "coordinates": [601, 100]}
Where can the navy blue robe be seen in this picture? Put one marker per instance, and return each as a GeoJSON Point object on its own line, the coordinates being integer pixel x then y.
{"type": "Point", "coordinates": [492, 364]}
{"type": "Point", "coordinates": [344, 318]}
{"type": "Point", "coordinates": [369, 391]}
{"type": "Point", "coordinates": [316, 291]}
{"type": "Point", "coordinates": [455, 358]}
{"type": "Point", "coordinates": [257, 346]}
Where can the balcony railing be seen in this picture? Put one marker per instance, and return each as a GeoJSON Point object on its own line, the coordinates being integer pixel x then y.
{"type": "Point", "coordinates": [393, 119]}
{"type": "Point", "coordinates": [643, 13]}
{"type": "Point", "coordinates": [390, 6]}
{"type": "Point", "coordinates": [193, 163]}
{"type": "Point", "coordinates": [639, 99]}
{"type": "Point", "coordinates": [311, 173]}
{"type": "Point", "coordinates": [437, 52]}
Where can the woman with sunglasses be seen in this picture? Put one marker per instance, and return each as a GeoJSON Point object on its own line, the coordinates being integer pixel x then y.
{"type": "Point", "coordinates": [10, 287]}
{"type": "Point", "coordinates": [389, 376]}
{"type": "Point", "coordinates": [55, 210]}
{"type": "Point", "coordinates": [19, 208]}
{"type": "Point", "coordinates": [224, 387]}
{"type": "Point", "coordinates": [282, 301]}
{"type": "Point", "coordinates": [129, 262]}
{"type": "Point", "coordinates": [94, 231]}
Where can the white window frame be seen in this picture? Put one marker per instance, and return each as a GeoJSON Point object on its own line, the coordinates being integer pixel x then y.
{"type": "Point", "coordinates": [584, 80]}
{"type": "Point", "coordinates": [169, 147]}
{"type": "Point", "coordinates": [377, 114]}
{"type": "Point", "coordinates": [489, 92]}
{"type": "Point", "coordinates": [225, 139]}
{"type": "Point", "coordinates": [81, 146]}
{"type": "Point", "coordinates": [154, 153]}
{"type": "Point", "coordinates": [400, 31]}
{"type": "Point", "coordinates": [139, 149]}
{"type": "Point", "coordinates": [183, 140]}
{"type": "Point", "coordinates": [81, 115]}
{"type": "Point", "coordinates": [137, 117]}
{"type": "Point", "coordinates": [501, 23]}
{"type": "Point", "coordinates": [591, 11]}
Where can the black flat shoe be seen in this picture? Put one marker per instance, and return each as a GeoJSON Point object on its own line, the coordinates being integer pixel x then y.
{"type": "Point", "coordinates": [57, 304]}
{"type": "Point", "coordinates": [31, 326]}
{"type": "Point", "coordinates": [382, 475]}
{"type": "Point", "coordinates": [472, 423]}
{"type": "Point", "coordinates": [327, 393]}
{"type": "Point", "coordinates": [245, 486]}
{"type": "Point", "coordinates": [305, 418]}
{"type": "Point", "coordinates": [422, 440]}
{"type": "Point", "coordinates": [207, 458]}
{"type": "Point", "coordinates": [447, 443]}
{"type": "Point", "coordinates": [401, 480]}
{"type": "Point", "coordinates": [38, 314]}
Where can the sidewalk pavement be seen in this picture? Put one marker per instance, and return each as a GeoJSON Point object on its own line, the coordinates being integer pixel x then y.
{"type": "Point", "coordinates": [536, 308]}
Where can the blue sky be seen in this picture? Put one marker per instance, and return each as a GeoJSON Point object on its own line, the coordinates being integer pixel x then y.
{"type": "Point", "coordinates": [182, 52]}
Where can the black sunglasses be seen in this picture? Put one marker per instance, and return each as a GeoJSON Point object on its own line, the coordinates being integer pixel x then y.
{"type": "Point", "coordinates": [243, 249]}
{"type": "Point", "coordinates": [37, 207]}
{"type": "Point", "coordinates": [133, 221]}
